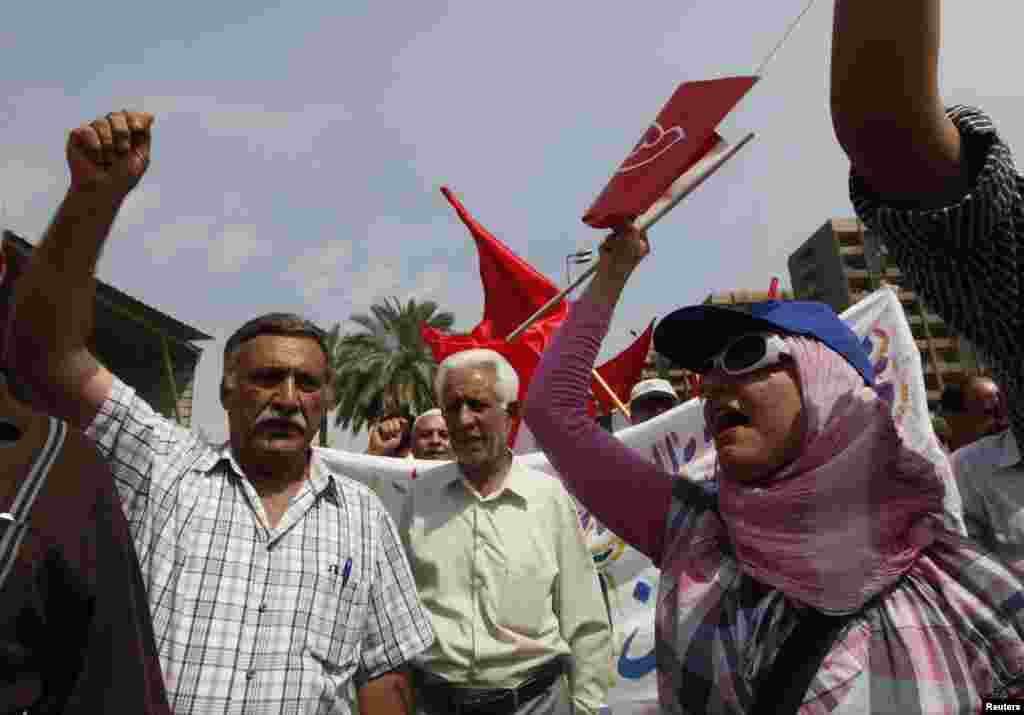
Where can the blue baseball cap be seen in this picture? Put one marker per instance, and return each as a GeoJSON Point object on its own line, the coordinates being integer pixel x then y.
{"type": "Point", "coordinates": [691, 336]}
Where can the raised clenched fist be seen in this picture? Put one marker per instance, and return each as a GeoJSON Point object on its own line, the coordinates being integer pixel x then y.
{"type": "Point", "coordinates": [623, 250]}
{"type": "Point", "coordinates": [387, 436]}
{"type": "Point", "coordinates": [110, 154]}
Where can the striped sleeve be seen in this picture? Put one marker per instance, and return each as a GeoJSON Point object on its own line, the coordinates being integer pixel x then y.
{"type": "Point", "coordinates": [963, 258]}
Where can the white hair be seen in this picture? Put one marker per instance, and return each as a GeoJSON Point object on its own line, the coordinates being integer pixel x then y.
{"type": "Point", "coordinates": [434, 411]}
{"type": "Point", "coordinates": [506, 383]}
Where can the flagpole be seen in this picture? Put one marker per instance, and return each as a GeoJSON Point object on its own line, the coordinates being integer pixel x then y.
{"type": "Point", "coordinates": [642, 224]}
{"type": "Point", "coordinates": [611, 393]}
{"type": "Point", "coordinates": [789, 31]}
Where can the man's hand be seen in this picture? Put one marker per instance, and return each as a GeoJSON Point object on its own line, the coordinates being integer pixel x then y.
{"type": "Point", "coordinates": [386, 436]}
{"type": "Point", "coordinates": [109, 155]}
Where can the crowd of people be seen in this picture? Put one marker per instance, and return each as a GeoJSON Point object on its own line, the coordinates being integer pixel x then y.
{"type": "Point", "coordinates": [145, 570]}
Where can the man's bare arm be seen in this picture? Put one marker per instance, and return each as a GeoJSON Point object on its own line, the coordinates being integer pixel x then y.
{"type": "Point", "coordinates": [54, 300]}
{"type": "Point", "coordinates": [388, 694]}
{"type": "Point", "coordinates": [886, 108]}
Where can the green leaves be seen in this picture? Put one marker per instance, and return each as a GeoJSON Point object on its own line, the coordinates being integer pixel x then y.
{"type": "Point", "coordinates": [385, 365]}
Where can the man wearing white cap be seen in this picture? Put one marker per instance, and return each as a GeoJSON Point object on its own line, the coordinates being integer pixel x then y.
{"type": "Point", "coordinates": [650, 398]}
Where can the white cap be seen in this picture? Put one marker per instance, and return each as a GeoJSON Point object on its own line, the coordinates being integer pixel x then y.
{"type": "Point", "coordinates": [654, 386]}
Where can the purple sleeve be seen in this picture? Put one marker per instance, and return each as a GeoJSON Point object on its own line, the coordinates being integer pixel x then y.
{"type": "Point", "coordinates": [629, 494]}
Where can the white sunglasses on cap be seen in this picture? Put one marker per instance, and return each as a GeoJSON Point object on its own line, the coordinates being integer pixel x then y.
{"type": "Point", "coordinates": [747, 353]}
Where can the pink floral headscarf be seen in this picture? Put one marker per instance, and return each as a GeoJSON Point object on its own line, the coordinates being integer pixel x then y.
{"type": "Point", "coordinates": [850, 515]}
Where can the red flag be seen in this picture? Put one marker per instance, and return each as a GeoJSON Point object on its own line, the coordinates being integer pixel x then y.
{"type": "Point", "coordinates": [683, 133]}
{"type": "Point", "coordinates": [623, 371]}
{"type": "Point", "coordinates": [773, 289]}
{"type": "Point", "coordinates": [513, 291]}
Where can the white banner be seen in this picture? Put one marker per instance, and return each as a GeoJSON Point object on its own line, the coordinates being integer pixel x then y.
{"type": "Point", "coordinates": [680, 444]}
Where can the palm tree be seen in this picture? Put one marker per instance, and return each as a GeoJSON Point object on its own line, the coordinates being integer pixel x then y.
{"type": "Point", "coordinates": [386, 366]}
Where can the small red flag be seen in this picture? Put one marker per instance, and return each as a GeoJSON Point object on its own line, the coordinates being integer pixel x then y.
{"type": "Point", "coordinates": [773, 289]}
{"type": "Point", "coordinates": [683, 133]}
{"type": "Point", "coordinates": [513, 291]}
{"type": "Point", "coordinates": [623, 371]}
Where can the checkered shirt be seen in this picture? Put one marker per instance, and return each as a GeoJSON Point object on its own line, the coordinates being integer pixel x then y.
{"type": "Point", "coordinates": [964, 259]}
{"type": "Point", "coordinates": [250, 619]}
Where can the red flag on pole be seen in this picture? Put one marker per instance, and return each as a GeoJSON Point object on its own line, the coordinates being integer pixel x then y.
{"type": "Point", "coordinates": [682, 135]}
{"type": "Point", "coordinates": [513, 290]}
{"type": "Point", "coordinates": [623, 371]}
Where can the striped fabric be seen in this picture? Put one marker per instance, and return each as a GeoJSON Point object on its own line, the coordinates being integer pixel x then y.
{"type": "Point", "coordinates": [15, 523]}
{"type": "Point", "coordinates": [250, 619]}
{"type": "Point", "coordinates": [964, 259]}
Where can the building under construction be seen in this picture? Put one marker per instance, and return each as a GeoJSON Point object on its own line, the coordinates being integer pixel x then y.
{"type": "Point", "coordinates": [843, 261]}
{"type": "Point", "coordinates": [147, 349]}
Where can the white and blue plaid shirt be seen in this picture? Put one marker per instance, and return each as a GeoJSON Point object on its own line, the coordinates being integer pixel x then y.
{"type": "Point", "coordinates": [250, 619]}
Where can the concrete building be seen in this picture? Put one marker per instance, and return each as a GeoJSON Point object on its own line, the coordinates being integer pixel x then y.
{"type": "Point", "coordinates": [151, 351]}
{"type": "Point", "coordinates": [843, 261]}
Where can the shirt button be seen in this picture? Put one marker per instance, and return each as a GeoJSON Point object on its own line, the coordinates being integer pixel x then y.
{"type": "Point", "coordinates": [250, 674]}
{"type": "Point", "coordinates": [262, 608]}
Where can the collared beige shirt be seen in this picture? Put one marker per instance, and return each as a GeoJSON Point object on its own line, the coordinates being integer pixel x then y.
{"type": "Point", "coordinates": [508, 582]}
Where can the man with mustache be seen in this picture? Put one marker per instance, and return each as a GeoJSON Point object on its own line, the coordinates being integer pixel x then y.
{"type": "Point", "coordinates": [501, 565]}
{"type": "Point", "coordinates": [274, 583]}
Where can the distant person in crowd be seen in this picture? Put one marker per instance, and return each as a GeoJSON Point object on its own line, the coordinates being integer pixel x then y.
{"type": "Point", "coordinates": [501, 565]}
{"type": "Point", "coordinates": [273, 583]}
{"type": "Point", "coordinates": [939, 186]}
{"type": "Point", "coordinates": [391, 435]}
{"type": "Point", "coordinates": [650, 398]}
{"type": "Point", "coordinates": [973, 409]}
{"type": "Point", "coordinates": [430, 438]}
{"type": "Point", "coordinates": [426, 439]}
{"type": "Point", "coordinates": [814, 572]}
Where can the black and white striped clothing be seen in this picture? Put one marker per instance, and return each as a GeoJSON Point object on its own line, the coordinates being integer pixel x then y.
{"type": "Point", "coordinates": [965, 259]}
{"type": "Point", "coordinates": [250, 619]}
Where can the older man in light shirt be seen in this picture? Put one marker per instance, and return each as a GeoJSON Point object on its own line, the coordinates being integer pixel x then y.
{"type": "Point", "coordinates": [501, 566]}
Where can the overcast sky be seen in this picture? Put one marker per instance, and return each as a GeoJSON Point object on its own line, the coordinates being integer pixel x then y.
{"type": "Point", "coordinates": [299, 148]}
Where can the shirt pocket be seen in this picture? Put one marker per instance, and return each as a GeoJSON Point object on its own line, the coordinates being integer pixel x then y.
{"type": "Point", "coordinates": [337, 619]}
{"type": "Point", "coordinates": [527, 597]}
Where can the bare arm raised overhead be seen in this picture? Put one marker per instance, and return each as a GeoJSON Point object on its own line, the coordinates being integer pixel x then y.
{"type": "Point", "coordinates": [937, 185]}
{"type": "Point", "coordinates": [54, 300]}
{"type": "Point", "coordinates": [886, 109]}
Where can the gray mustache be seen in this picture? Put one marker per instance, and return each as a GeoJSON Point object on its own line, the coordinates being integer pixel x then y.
{"type": "Point", "coordinates": [299, 420]}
